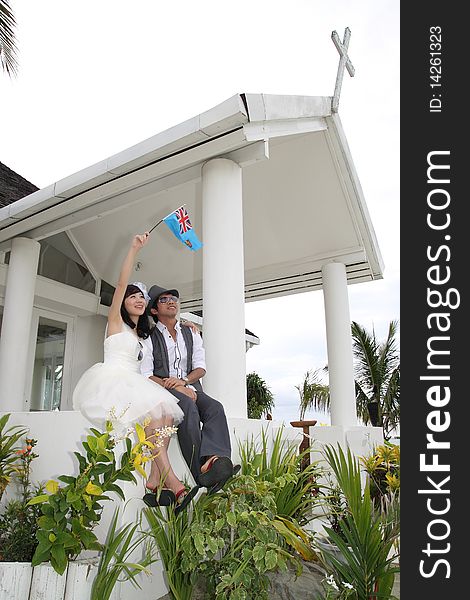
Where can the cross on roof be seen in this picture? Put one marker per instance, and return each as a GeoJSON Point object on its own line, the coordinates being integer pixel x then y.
{"type": "Point", "coordinates": [344, 61]}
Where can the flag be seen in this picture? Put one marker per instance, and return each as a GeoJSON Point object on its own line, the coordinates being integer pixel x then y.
{"type": "Point", "coordinates": [180, 225]}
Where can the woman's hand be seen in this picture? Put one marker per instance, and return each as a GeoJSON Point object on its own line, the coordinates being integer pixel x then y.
{"type": "Point", "coordinates": [139, 241]}
{"type": "Point", "coordinates": [190, 324]}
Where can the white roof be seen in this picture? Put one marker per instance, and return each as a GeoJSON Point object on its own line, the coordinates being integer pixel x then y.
{"type": "Point", "coordinates": [302, 201]}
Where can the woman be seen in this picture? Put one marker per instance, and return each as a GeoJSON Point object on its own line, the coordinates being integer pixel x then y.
{"type": "Point", "coordinates": [115, 391]}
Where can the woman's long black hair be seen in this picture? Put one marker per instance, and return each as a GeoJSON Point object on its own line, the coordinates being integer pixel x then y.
{"type": "Point", "coordinates": [143, 325]}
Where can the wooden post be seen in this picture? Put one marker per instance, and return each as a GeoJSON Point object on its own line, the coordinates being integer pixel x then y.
{"type": "Point", "coordinates": [305, 440]}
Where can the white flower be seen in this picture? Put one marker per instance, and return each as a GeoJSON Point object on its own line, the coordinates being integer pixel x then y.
{"type": "Point", "coordinates": [331, 581]}
{"type": "Point", "coordinates": [347, 585]}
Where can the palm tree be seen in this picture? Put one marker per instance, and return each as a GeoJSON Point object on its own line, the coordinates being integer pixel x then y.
{"type": "Point", "coordinates": [377, 381]}
{"type": "Point", "coordinates": [313, 393]}
{"type": "Point", "coordinates": [8, 49]}
{"type": "Point", "coordinates": [259, 396]}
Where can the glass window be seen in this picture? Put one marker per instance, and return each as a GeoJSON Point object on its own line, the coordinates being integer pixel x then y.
{"type": "Point", "coordinates": [106, 293]}
{"type": "Point", "coordinates": [58, 260]}
{"type": "Point", "coordinates": [48, 369]}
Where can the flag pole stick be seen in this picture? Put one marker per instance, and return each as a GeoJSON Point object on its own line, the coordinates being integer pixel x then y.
{"type": "Point", "coordinates": [161, 220]}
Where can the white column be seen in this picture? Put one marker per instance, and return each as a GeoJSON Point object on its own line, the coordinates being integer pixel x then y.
{"type": "Point", "coordinates": [339, 345]}
{"type": "Point", "coordinates": [224, 285]}
{"type": "Point", "coordinates": [17, 314]}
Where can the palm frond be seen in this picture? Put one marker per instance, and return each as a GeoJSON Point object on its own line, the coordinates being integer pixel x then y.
{"type": "Point", "coordinates": [8, 48]}
{"type": "Point", "coordinates": [313, 393]}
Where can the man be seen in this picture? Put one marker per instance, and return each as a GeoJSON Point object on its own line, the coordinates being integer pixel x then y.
{"type": "Point", "coordinates": [175, 359]}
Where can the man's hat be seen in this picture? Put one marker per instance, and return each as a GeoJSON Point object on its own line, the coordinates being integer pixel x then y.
{"type": "Point", "coordinates": [156, 291]}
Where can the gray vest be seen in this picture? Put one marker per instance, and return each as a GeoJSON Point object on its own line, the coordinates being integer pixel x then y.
{"type": "Point", "coordinates": [161, 362]}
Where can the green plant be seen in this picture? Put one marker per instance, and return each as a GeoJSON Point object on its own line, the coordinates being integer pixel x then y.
{"type": "Point", "coordinates": [8, 450]}
{"type": "Point", "coordinates": [295, 489]}
{"type": "Point", "coordinates": [334, 504]}
{"type": "Point", "coordinates": [18, 523]}
{"type": "Point", "coordinates": [230, 541]}
{"type": "Point", "coordinates": [260, 399]}
{"type": "Point", "coordinates": [313, 392]}
{"type": "Point", "coordinates": [236, 538]}
{"type": "Point", "coordinates": [368, 534]}
{"type": "Point", "coordinates": [383, 470]}
{"type": "Point", "coordinates": [70, 513]}
{"type": "Point", "coordinates": [114, 562]}
{"type": "Point", "coordinates": [8, 47]}
{"type": "Point", "coordinates": [333, 591]}
{"type": "Point", "coordinates": [376, 380]}
{"type": "Point", "coordinates": [18, 527]}
{"type": "Point", "coordinates": [170, 533]}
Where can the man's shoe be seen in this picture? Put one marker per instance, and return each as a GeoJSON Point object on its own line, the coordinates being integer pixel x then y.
{"type": "Point", "coordinates": [219, 469]}
{"type": "Point", "coordinates": [218, 486]}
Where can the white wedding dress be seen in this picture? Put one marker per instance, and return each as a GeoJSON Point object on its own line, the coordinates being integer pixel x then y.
{"type": "Point", "coordinates": [115, 390]}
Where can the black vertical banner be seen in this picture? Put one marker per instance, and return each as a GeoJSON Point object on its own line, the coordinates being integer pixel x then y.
{"type": "Point", "coordinates": [435, 245]}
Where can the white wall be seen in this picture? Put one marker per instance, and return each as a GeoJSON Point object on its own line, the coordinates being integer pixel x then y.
{"type": "Point", "coordinates": [59, 434]}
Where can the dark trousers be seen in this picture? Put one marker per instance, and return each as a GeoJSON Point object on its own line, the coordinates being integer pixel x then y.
{"type": "Point", "coordinates": [195, 441]}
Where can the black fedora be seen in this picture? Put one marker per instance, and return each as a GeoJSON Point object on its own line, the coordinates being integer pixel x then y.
{"type": "Point", "coordinates": [156, 291]}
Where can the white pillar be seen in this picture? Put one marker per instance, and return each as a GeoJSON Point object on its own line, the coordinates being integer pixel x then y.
{"type": "Point", "coordinates": [224, 285]}
{"type": "Point", "coordinates": [339, 345]}
{"type": "Point", "coordinates": [17, 314]}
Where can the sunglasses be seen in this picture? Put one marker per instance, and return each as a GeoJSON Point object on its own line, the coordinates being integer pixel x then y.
{"type": "Point", "coordinates": [141, 354]}
{"type": "Point", "coordinates": [165, 299]}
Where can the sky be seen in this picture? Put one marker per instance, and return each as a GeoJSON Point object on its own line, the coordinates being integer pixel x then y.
{"type": "Point", "coordinates": [97, 77]}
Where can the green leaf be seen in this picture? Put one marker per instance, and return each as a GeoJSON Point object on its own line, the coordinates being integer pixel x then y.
{"type": "Point", "coordinates": [100, 469]}
{"type": "Point", "coordinates": [270, 559]}
{"type": "Point", "coordinates": [66, 539]}
{"type": "Point", "coordinates": [212, 545]}
{"type": "Point", "coordinates": [81, 461]}
{"type": "Point", "coordinates": [72, 496]}
{"type": "Point", "coordinates": [46, 522]}
{"type": "Point", "coordinates": [199, 543]}
{"type": "Point", "coordinates": [87, 538]}
{"type": "Point", "coordinates": [67, 479]}
{"type": "Point", "coordinates": [92, 443]}
{"type": "Point", "coordinates": [219, 523]}
{"type": "Point", "coordinates": [58, 559]}
{"type": "Point", "coordinates": [259, 552]}
{"type": "Point", "coordinates": [38, 500]}
{"type": "Point", "coordinates": [41, 554]}
{"type": "Point", "coordinates": [43, 538]}
{"type": "Point", "coordinates": [93, 489]}
{"type": "Point", "coordinates": [112, 487]}
{"type": "Point", "coordinates": [231, 519]}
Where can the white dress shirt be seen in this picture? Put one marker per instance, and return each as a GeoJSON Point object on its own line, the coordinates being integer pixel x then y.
{"type": "Point", "coordinates": [177, 353]}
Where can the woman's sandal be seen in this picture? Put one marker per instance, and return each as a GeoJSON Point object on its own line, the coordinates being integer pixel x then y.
{"type": "Point", "coordinates": [165, 498]}
{"type": "Point", "coordinates": [189, 495]}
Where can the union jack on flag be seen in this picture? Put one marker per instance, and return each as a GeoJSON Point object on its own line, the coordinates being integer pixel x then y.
{"type": "Point", "coordinates": [183, 220]}
{"type": "Point", "coordinates": [180, 224]}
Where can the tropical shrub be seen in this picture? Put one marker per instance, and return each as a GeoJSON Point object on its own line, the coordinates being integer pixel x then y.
{"type": "Point", "coordinates": [71, 512]}
{"type": "Point", "coordinates": [368, 534]}
{"type": "Point", "coordinates": [114, 562]}
{"type": "Point", "coordinates": [230, 541]}
{"type": "Point", "coordinates": [383, 470]}
{"type": "Point", "coordinates": [260, 400]}
{"type": "Point", "coordinates": [170, 533]}
{"type": "Point", "coordinates": [18, 522]}
{"type": "Point", "coordinates": [295, 488]}
{"type": "Point", "coordinates": [8, 450]}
